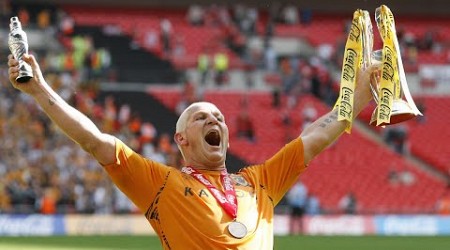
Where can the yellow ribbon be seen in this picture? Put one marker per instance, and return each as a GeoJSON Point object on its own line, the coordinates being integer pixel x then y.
{"type": "Point", "coordinates": [351, 64]}
{"type": "Point", "coordinates": [390, 81]}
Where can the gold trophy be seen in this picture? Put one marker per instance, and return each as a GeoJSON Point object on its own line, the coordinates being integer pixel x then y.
{"type": "Point", "coordinates": [391, 90]}
{"type": "Point", "coordinates": [390, 87]}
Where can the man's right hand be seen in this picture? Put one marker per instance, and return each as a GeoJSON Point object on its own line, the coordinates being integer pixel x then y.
{"type": "Point", "coordinates": [34, 83]}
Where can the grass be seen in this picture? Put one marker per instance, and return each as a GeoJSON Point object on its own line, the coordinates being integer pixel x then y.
{"type": "Point", "coordinates": [281, 243]}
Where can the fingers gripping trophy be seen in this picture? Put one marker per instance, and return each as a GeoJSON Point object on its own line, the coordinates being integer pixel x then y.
{"type": "Point", "coordinates": [389, 88]}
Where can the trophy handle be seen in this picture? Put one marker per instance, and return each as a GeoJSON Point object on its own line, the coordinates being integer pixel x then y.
{"type": "Point", "coordinates": [368, 54]}
{"type": "Point", "coordinates": [377, 56]}
{"type": "Point", "coordinates": [404, 85]}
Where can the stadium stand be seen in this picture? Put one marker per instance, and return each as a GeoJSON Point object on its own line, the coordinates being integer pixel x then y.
{"type": "Point", "coordinates": [425, 134]}
{"type": "Point", "coordinates": [382, 180]}
{"type": "Point", "coordinates": [194, 39]}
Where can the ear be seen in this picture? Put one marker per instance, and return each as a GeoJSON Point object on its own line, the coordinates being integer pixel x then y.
{"type": "Point", "coordinates": [180, 139]}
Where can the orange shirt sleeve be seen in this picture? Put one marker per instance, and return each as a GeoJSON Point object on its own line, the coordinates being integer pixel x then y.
{"type": "Point", "coordinates": [280, 172]}
{"type": "Point", "coordinates": [137, 177]}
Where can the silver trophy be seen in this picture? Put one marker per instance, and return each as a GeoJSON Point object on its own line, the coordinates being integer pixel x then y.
{"type": "Point", "coordinates": [18, 45]}
{"type": "Point", "coordinates": [403, 107]}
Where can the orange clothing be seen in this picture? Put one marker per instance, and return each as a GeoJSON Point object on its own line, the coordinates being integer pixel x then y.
{"type": "Point", "coordinates": [48, 205]}
{"type": "Point", "coordinates": [185, 215]}
{"type": "Point", "coordinates": [444, 206]}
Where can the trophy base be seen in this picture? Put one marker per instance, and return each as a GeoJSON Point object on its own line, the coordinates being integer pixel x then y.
{"type": "Point", "coordinates": [401, 111]}
{"type": "Point", "coordinates": [23, 78]}
{"type": "Point", "coordinates": [25, 72]}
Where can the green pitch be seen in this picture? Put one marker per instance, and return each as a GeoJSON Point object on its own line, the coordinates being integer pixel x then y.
{"type": "Point", "coordinates": [281, 243]}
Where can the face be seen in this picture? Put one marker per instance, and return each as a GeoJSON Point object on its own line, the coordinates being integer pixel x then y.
{"type": "Point", "coordinates": [202, 135]}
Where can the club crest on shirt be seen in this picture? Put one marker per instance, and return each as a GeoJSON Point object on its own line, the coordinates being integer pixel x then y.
{"type": "Point", "coordinates": [239, 180]}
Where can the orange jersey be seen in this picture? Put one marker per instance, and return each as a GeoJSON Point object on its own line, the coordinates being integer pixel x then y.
{"type": "Point", "coordinates": [185, 215]}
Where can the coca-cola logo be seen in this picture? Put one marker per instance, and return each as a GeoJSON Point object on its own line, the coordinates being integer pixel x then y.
{"type": "Point", "coordinates": [348, 71]}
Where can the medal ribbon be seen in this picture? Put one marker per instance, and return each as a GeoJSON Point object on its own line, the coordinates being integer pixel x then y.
{"type": "Point", "coordinates": [227, 199]}
{"type": "Point", "coordinates": [350, 67]}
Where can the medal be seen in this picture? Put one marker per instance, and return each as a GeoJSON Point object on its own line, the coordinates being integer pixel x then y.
{"type": "Point", "coordinates": [237, 229]}
{"type": "Point", "coordinates": [227, 199]}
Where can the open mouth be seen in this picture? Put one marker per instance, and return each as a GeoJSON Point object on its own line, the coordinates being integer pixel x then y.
{"type": "Point", "coordinates": [213, 138]}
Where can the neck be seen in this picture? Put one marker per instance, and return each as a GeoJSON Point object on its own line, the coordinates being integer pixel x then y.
{"type": "Point", "coordinates": [207, 168]}
{"type": "Point", "coordinates": [202, 165]}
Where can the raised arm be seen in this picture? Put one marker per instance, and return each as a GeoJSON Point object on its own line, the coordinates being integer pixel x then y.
{"type": "Point", "coordinates": [325, 130]}
{"type": "Point", "coordinates": [72, 122]}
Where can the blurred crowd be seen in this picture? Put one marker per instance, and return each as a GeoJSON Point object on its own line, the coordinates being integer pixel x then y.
{"type": "Point", "coordinates": [41, 171]}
